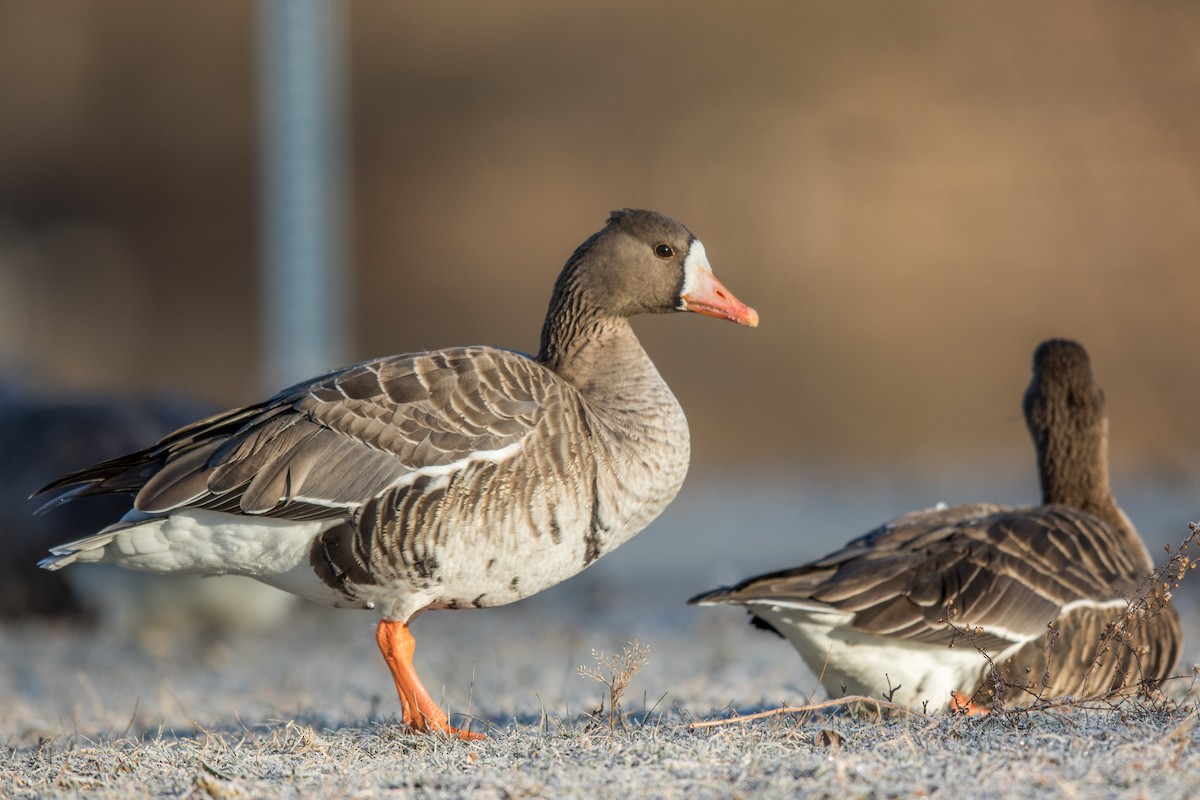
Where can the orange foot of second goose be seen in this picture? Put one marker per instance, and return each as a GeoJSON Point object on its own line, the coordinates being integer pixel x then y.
{"type": "Point", "coordinates": [420, 713]}
{"type": "Point", "coordinates": [963, 704]}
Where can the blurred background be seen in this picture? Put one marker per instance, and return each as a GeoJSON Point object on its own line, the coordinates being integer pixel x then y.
{"type": "Point", "coordinates": [912, 196]}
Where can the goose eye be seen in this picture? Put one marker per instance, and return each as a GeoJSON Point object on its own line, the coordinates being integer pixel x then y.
{"type": "Point", "coordinates": [664, 251]}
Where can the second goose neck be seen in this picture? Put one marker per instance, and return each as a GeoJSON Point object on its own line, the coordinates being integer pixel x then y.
{"type": "Point", "coordinates": [1074, 472]}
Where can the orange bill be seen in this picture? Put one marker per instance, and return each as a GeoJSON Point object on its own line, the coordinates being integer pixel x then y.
{"type": "Point", "coordinates": [711, 298]}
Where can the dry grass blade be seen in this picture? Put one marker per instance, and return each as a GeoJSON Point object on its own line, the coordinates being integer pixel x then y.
{"type": "Point", "coordinates": [841, 701]}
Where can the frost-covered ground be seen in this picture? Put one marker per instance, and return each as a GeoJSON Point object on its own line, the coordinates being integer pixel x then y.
{"type": "Point", "coordinates": [308, 711]}
{"type": "Point", "coordinates": [306, 708]}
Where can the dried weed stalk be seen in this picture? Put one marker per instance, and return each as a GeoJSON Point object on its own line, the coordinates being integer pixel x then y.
{"type": "Point", "coordinates": [849, 700]}
{"type": "Point", "coordinates": [616, 672]}
{"type": "Point", "coordinates": [1118, 641]}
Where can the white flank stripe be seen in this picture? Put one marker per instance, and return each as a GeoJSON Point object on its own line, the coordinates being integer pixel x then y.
{"type": "Point", "coordinates": [1116, 604]}
{"type": "Point", "coordinates": [439, 471]}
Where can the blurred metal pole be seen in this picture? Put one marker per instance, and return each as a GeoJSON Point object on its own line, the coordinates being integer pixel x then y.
{"type": "Point", "coordinates": [305, 275]}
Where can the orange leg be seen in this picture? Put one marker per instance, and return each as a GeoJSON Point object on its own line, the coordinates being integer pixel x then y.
{"type": "Point", "coordinates": [963, 704]}
{"type": "Point", "coordinates": [420, 713]}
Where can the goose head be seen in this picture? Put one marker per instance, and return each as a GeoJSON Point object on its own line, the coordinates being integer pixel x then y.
{"type": "Point", "coordinates": [1063, 400]}
{"type": "Point", "coordinates": [1065, 413]}
{"type": "Point", "coordinates": [643, 262]}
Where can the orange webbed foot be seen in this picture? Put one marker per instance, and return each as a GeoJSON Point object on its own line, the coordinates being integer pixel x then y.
{"type": "Point", "coordinates": [420, 713]}
{"type": "Point", "coordinates": [447, 730]}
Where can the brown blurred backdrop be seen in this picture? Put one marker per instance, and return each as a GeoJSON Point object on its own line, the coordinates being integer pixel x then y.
{"type": "Point", "coordinates": [912, 195]}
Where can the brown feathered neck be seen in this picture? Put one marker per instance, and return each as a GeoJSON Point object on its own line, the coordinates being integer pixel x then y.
{"type": "Point", "coordinates": [1066, 416]}
{"type": "Point", "coordinates": [596, 353]}
{"type": "Point", "coordinates": [586, 337]}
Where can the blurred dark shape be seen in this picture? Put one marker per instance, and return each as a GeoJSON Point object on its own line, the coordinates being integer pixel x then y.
{"type": "Point", "coordinates": [43, 437]}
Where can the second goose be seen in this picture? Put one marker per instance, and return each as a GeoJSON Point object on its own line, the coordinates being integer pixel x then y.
{"type": "Point", "coordinates": [872, 617]}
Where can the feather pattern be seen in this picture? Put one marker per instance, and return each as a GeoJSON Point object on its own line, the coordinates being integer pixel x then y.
{"type": "Point", "coordinates": [887, 599]}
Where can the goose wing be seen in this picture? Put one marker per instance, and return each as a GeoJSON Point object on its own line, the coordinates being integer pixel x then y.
{"type": "Point", "coordinates": [1007, 571]}
{"type": "Point", "coordinates": [322, 448]}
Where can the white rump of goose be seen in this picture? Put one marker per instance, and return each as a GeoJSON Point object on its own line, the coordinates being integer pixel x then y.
{"type": "Point", "coordinates": [458, 478]}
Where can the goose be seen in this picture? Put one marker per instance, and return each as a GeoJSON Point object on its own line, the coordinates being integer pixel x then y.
{"type": "Point", "coordinates": [458, 478]}
{"type": "Point", "coordinates": [871, 618]}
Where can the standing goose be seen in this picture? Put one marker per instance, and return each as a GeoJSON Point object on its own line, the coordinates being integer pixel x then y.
{"type": "Point", "coordinates": [870, 618]}
{"type": "Point", "coordinates": [459, 478]}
